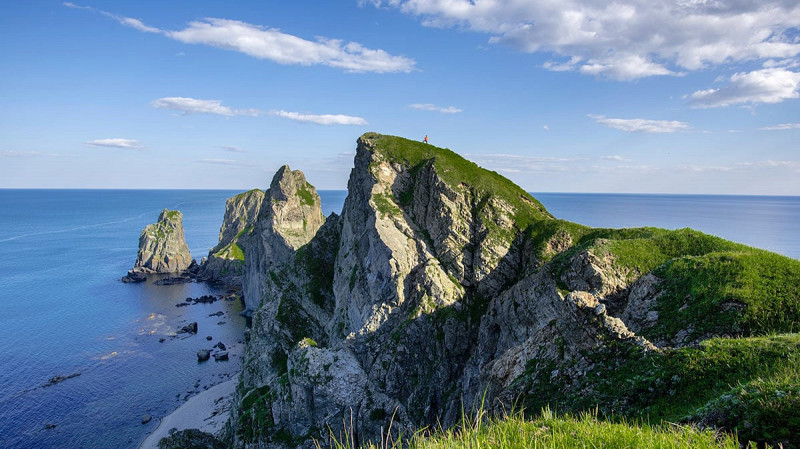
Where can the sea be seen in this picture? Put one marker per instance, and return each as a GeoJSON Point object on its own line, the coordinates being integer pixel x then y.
{"type": "Point", "coordinates": [64, 311]}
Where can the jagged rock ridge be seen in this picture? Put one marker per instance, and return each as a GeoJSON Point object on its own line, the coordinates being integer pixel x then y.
{"type": "Point", "coordinates": [162, 246]}
{"type": "Point", "coordinates": [440, 283]}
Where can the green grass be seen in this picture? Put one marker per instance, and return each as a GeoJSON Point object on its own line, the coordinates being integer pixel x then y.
{"type": "Point", "coordinates": [385, 205]}
{"type": "Point", "coordinates": [764, 409]}
{"type": "Point", "coordinates": [551, 432]}
{"type": "Point", "coordinates": [674, 384]}
{"type": "Point", "coordinates": [454, 170]}
{"type": "Point", "coordinates": [733, 293]}
{"type": "Point", "coordinates": [306, 197]}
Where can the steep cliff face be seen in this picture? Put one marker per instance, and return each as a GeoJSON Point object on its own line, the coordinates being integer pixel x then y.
{"type": "Point", "coordinates": [289, 216]}
{"type": "Point", "coordinates": [162, 246]}
{"type": "Point", "coordinates": [225, 261]}
{"type": "Point", "coordinates": [442, 284]}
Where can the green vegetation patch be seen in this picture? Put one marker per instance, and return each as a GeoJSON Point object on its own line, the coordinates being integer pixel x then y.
{"type": "Point", "coordinates": [747, 293]}
{"type": "Point", "coordinates": [555, 432]}
{"type": "Point", "coordinates": [386, 205]}
{"type": "Point", "coordinates": [306, 197]}
{"type": "Point", "coordinates": [255, 417]}
{"type": "Point", "coordinates": [455, 170]}
{"type": "Point", "coordinates": [671, 385]}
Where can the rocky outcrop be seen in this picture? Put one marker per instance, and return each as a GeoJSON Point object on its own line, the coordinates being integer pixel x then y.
{"type": "Point", "coordinates": [162, 246]}
{"type": "Point", "coordinates": [289, 216]}
{"type": "Point", "coordinates": [441, 285]}
{"type": "Point", "coordinates": [226, 261]}
{"type": "Point", "coordinates": [395, 329]}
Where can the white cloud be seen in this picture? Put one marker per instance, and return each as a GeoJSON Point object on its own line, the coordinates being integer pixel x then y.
{"type": "Point", "coordinates": [545, 127]}
{"type": "Point", "coordinates": [325, 119]}
{"type": "Point", "coordinates": [781, 127]}
{"type": "Point", "coordinates": [231, 148]}
{"type": "Point", "coordinates": [126, 144]}
{"type": "Point", "coordinates": [272, 44]}
{"type": "Point", "coordinates": [195, 106]}
{"type": "Point", "coordinates": [229, 162]}
{"type": "Point", "coordinates": [12, 153]}
{"type": "Point", "coordinates": [434, 108]}
{"type": "Point", "coordinates": [127, 21]}
{"type": "Point", "coordinates": [771, 85]}
{"type": "Point", "coordinates": [625, 39]}
{"type": "Point", "coordinates": [641, 125]}
{"type": "Point", "coordinates": [614, 158]}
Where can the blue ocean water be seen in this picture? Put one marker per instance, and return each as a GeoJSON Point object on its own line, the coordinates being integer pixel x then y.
{"type": "Point", "coordinates": [64, 310]}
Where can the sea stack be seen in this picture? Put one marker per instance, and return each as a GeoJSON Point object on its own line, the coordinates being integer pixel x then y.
{"type": "Point", "coordinates": [162, 246]}
{"type": "Point", "coordinates": [225, 261]}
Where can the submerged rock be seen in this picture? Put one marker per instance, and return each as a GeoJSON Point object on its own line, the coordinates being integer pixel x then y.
{"type": "Point", "coordinates": [162, 246]}
{"type": "Point", "coordinates": [203, 355]}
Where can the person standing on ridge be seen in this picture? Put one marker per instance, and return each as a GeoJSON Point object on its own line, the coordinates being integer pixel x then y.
{"type": "Point", "coordinates": [425, 139]}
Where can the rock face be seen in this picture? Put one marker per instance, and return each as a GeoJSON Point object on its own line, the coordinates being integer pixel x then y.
{"type": "Point", "coordinates": [439, 283]}
{"type": "Point", "coordinates": [162, 246]}
{"type": "Point", "coordinates": [226, 261]}
{"type": "Point", "coordinates": [289, 216]}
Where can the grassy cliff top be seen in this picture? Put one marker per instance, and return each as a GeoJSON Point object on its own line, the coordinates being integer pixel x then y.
{"type": "Point", "coordinates": [455, 171]}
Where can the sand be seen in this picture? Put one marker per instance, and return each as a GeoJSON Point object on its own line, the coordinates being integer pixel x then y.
{"type": "Point", "coordinates": [205, 411]}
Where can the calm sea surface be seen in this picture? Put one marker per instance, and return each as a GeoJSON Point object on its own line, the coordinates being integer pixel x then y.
{"type": "Point", "coordinates": [63, 310]}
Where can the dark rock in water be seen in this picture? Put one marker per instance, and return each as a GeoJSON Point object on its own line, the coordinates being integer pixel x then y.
{"type": "Point", "coordinates": [220, 313]}
{"type": "Point", "coordinates": [247, 335]}
{"type": "Point", "coordinates": [182, 304]}
{"type": "Point", "coordinates": [220, 345]}
{"type": "Point", "coordinates": [174, 280]}
{"type": "Point", "coordinates": [133, 277]}
{"type": "Point", "coordinates": [209, 338]}
{"type": "Point", "coordinates": [58, 379]}
{"type": "Point", "coordinates": [220, 323]}
{"type": "Point", "coordinates": [190, 439]}
{"type": "Point", "coordinates": [220, 356]}
{"type": "Point", "coordinates": [190, 328]}
{"type": "Point", "coordinates": [162, 340]}
{"type": "Point", "coordinates": [50, 426]}
{"type": "Point", "coordinates": [146, 419]}
{"type": "Point", "coordinates": [203, 355]}
{"type": "Point", "coordinates": [206, 299]}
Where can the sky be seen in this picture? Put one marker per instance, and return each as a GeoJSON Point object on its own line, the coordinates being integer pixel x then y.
{"type": "Point", "coordinates": [631, 96]}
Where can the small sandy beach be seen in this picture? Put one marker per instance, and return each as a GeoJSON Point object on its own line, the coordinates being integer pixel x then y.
{"type": "Point", "coordinates": [207, 411]}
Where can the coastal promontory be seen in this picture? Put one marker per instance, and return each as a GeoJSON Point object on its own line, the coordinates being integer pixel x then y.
{"type": "Point", "coordinates": [443, 286]}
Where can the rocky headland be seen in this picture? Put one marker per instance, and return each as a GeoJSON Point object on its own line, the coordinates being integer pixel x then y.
{"type": "Point", "coordinates": [442, 286]}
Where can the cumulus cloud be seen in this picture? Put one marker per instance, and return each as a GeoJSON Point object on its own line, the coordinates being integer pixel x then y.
{"type": "Point", "coordinates": [324, 119]}
{"type": "Point", "coordinates": [125, 144]}
{"type": "Point", "coordinates": [626, 39]}
{"type": "Point", "coordinates": [641, 125]}
{"type": "Point", "coordinates": [195, 106]}
{"type": "Point", "coordinates": [781, 127]}
{"type": "Point", "coordinates": [272, 44]}
{"type": "Point", "coordinates": [434, 108]}
{"type": "Point", "coordinates": [771, 85]}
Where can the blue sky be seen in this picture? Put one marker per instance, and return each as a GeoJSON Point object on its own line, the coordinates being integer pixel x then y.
{"type": "Point", "coordinates": [649, 96]}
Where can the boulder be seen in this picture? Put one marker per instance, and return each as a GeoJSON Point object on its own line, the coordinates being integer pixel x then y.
{"type": "Point", "coordinates": [203, 355]}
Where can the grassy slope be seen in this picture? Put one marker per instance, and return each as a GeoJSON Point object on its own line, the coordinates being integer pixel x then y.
{"type": "Point", "coordinates": [554, 432]}
{"type": "Point", "coordinates": [712, 286]}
